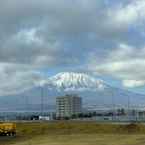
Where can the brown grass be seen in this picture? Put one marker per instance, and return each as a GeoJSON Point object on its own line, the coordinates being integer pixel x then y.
{"type": "Point", "coordinates": [76, 133]}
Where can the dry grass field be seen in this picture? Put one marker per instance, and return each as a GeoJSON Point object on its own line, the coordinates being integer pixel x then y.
{"type": "Point", "coordinates": [76, 133]}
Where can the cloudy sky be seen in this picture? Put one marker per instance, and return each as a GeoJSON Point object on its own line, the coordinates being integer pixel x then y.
{"type": "Point", "coordinates": [105, 38]}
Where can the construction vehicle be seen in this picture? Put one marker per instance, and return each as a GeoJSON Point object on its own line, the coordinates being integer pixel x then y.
{"type": "Point", "coordinates": [7, 129]}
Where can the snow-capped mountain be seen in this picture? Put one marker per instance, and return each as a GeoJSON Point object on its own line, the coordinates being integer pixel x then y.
{"type": "Point", "coordinates": [94, 92]}
{"type": "Point", "coordinates": [70, 81]}
{"type": "Point", "coordinates": [91, 89]}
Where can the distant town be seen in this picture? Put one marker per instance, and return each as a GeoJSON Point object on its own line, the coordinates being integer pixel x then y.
{"type": "Point", "coordinates": [70, 107]}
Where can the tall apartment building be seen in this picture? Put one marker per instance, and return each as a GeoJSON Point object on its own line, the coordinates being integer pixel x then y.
{"type": "Point", "coordinates": [68, 105]}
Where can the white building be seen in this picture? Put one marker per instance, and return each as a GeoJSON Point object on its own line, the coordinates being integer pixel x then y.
{"type": "Point", "coordinates": [68, 105]}
{"type": "Point", "coordinates": [46, 118]}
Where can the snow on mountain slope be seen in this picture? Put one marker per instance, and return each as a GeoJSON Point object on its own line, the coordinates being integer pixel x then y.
{"type": "Point", "coordinates": [67, 81]}
{"type": "Point", "coordinates": [94, 92]}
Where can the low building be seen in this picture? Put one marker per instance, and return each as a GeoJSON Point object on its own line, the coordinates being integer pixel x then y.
{"type": "Point", "coordinates": [44, 118]}
{"type": "Point", "coordinates": [68, 105]}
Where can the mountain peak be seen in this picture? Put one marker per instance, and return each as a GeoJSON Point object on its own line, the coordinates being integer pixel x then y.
{"type": "Point", "coordinates": [69, 81]}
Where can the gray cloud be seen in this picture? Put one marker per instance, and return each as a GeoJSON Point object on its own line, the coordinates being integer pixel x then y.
{"type": "Point", "coordinates": [42, 34]}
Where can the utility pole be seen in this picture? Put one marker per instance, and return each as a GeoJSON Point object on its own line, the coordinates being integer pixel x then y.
{"type": "Point", "coordinates": [27, 103]}
{"type": "Point", "coordinates": [128, 107]}
{"type": "Point", "coordinates": [42, 100]}
{"type": "Point", "coordinates": [113, 106]}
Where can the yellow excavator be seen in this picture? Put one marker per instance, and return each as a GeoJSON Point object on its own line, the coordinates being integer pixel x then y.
{"type": "Point", "coordinates": [7, 129]}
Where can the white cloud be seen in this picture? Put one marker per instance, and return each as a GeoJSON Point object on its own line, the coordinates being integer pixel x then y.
{"type": "Point", "coordinates": [126, 63]}
{"type": "Point", "coordinates": [133, 83]}
{"type": "Point", "coordinates": [16, 78]}
{"type": "Point", "coordinates": [126, 15]}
